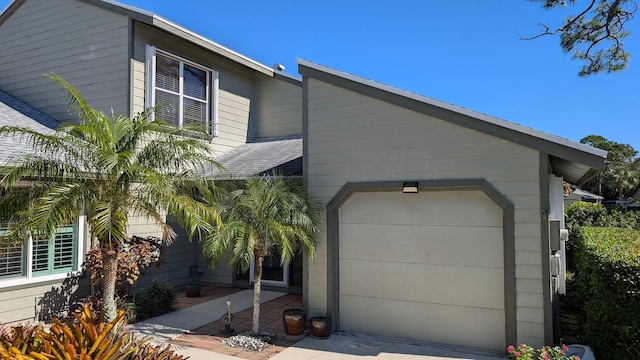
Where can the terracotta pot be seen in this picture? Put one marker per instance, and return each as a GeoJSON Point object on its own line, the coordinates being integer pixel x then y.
{"type": "Point", "coordinates": [192, 289]}
{"type": "Point", "coordinates": [294, 321]}
{"type": "Point", "coordinates": [319, 327]}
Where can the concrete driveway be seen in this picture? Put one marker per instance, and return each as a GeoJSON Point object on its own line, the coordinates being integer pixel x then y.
{"type": "Point", "coordinates": [359, 346]}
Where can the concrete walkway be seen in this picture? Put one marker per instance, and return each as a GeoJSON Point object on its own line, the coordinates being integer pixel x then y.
{"type": "Point", "coordinates": [165, 327]}
{"type": "Point", "coordinates": [344, 346]}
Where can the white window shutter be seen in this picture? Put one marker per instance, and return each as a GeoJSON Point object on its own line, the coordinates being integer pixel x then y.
{"type": "Point", "coordinates": [215, 80]}
{"type": "Point", "coordinates": [150, 79]}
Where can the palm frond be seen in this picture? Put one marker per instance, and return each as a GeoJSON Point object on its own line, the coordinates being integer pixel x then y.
{"type": "Point", "coordinates": [264, 213]}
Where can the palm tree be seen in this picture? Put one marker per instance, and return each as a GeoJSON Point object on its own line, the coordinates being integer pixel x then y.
{"type": "Point", "coordinates": [109, 170]}
{"type": "Point", "coordinates": [265, 214]}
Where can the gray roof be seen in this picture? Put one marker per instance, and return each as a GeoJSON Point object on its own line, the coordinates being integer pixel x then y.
{"type": "Point", "coordinates": [257, 157]}
{"type": "Point", "coordinates": [574, 161]}
{"type": "Point", "coordinates": [14, 112]}
{"type": "Point", "coordinates": [586, 195]}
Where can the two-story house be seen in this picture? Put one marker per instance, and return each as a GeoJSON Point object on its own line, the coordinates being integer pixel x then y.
{"type": "Point", "coordinates": [443, 224]}
{"type": "Point", "coordinates": [122, 60]}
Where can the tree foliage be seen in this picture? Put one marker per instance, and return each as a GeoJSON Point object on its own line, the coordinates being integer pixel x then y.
{"type": "Point", "coordinates": [262, 216]}
{"type": "Point", "coordinates": [109, 170]}
{"type": "Point", "coordinates": [595, 35]}
{"type": "Point", "coordinates": [621, 176]}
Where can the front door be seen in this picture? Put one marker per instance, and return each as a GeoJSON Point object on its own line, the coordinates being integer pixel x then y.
{"type": "Point", "coordinates": [273, 273]}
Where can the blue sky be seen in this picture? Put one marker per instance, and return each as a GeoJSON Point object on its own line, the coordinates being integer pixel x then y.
{"type": "Point", "coordinates": [464, 52]}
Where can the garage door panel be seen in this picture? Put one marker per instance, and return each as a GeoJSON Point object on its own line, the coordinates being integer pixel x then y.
{"type": "Point", "coordinates": [465, 208]}
{"type": "Point", "coordinates": [423, 244]}
{"type": "Point", "coordinates": [432, 262]}
{"type": "Point", "coordinates": [438, 284]}
{"type": "Point", "coordinates": [442, 323]}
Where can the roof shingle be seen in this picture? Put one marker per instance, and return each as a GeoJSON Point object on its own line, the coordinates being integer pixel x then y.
{"type": "Point", "coordinates": [14, 112]}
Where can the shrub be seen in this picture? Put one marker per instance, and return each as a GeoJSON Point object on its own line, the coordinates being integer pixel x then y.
{"type": "Point", "coordinates": [156, 299]}
{"type": "Point", "coordinates": [590, 214]}
{"type": "Point", "coordinates": [84, 337]}
{"type": "Point", "coordinates": [526, 352]}
{"type": "Point", "coordinates": [124, 304]}
{"type": "Point", "coordinates": [133, 256]}
{"type": "Point", "coordinates": [586, 214]}
{"type": "Point", "coordinates": [608, 289]}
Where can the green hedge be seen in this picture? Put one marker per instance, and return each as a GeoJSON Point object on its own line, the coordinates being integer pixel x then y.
{"type": "Point", "coordinates": [591, 214]}
{"type": "Point", "coordinates": [607, 264]}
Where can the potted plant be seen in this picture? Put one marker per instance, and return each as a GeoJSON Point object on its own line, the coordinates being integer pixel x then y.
{"type": "Point", "coordinates": [294, 321]}
{"type": "Point", "coordinates": [319, 327]}
{"type": "Point", "coordinates": [192, 288]}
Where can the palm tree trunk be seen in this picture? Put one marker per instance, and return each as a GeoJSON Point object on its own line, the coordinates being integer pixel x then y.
{"type": "Point", "coordinates": [110, 263]}
{"type": "Point", "coordinates": [257, 281]}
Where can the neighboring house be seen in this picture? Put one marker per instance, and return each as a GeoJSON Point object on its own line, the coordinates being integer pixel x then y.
{"type": "Point", "coordinates": [578, 194]}
{"type": "Point", "coordinates": [462, 256]}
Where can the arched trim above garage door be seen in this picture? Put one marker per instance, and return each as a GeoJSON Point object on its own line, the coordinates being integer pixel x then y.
{"type": "Point", "coordinates": [333, 263]}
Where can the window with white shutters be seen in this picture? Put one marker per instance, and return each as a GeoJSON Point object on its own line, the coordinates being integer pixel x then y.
{"type": "Point", "coordinates": [184, 91]}
{"type": "Point", "coordinates": [40, 256]}
{"type": "Point", "coordinates": [11, 260]}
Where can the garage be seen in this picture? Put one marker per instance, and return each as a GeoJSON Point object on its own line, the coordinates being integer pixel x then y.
{"type": "Point", "coordinates": [427, 266]}
{"type": "Point", "coordinates": [465, 260]}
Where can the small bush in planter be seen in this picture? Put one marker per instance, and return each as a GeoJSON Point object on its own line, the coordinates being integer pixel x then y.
{"type": "Point", "coordinates": [156, 299]}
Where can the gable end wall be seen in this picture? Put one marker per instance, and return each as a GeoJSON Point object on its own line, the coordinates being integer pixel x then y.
{"type": "Point", "coordinates": [86, 45]}
{"type": "Point", "coordinates": [279, 107]}
{"type": "Point", "coordinates": [354, 138]}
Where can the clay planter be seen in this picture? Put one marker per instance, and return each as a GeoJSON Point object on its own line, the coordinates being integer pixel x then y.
{"type": "Point", "coordinates": [192, 289]}
{"type": "Point", "coordinates": [294, 321]}
{"type": "Point", "coordinates": [319, 327]}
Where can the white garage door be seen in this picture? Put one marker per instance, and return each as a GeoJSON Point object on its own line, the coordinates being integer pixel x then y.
{"type": "Point", "coordinates": [426, 266]}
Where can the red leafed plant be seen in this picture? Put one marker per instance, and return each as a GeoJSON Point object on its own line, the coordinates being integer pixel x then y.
{"type": "Point", "coordinates": [132, 256]}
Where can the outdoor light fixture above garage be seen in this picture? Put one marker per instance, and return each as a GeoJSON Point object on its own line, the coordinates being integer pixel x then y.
{"type": "Point", "coordinates": [410, 187]}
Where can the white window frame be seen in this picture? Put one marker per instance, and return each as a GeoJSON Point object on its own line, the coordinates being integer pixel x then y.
{"type": "Point", "coordinates": [283, 283]}
{"type": "Point", "coordinates": [29, 278]}
{"type": "Point", "coordinates": [213, 80]}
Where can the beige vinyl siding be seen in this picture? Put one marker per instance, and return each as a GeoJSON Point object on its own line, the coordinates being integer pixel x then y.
{"type": "Point", "coordinates": [86, 45]}
{"type": "Point", "coordinates": [236, 98]}
{"type": "Point", "coordinates": [353, 138]}
{"type": "Point", "coordinates": [222, 274]}
{"type": "Point", "coordinates": [234, 112]}
{"type": "Point", "coordinates": [137, 86]}
{"type": "Point", "coordinates": [279, 107]}
{"type": "Point", "coordinates": [38, 302]}
{"type": "Point", "coordinates": [176, 260]}
{"type": "Point", "coordinates": [142, 226]}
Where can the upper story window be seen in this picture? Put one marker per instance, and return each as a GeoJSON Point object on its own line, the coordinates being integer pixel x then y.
{"type": "Point", "coordinates": [40, 258]}
{"type": "Point", "coordinates": [185, 91]}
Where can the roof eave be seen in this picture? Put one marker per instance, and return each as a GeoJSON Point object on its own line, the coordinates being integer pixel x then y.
{"type": "Point", "coordinates": [152, 19]}
{"type": "Point", "coordinates": [212, 46]}
{"type": "Point", "coordinates": [10, 9]}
